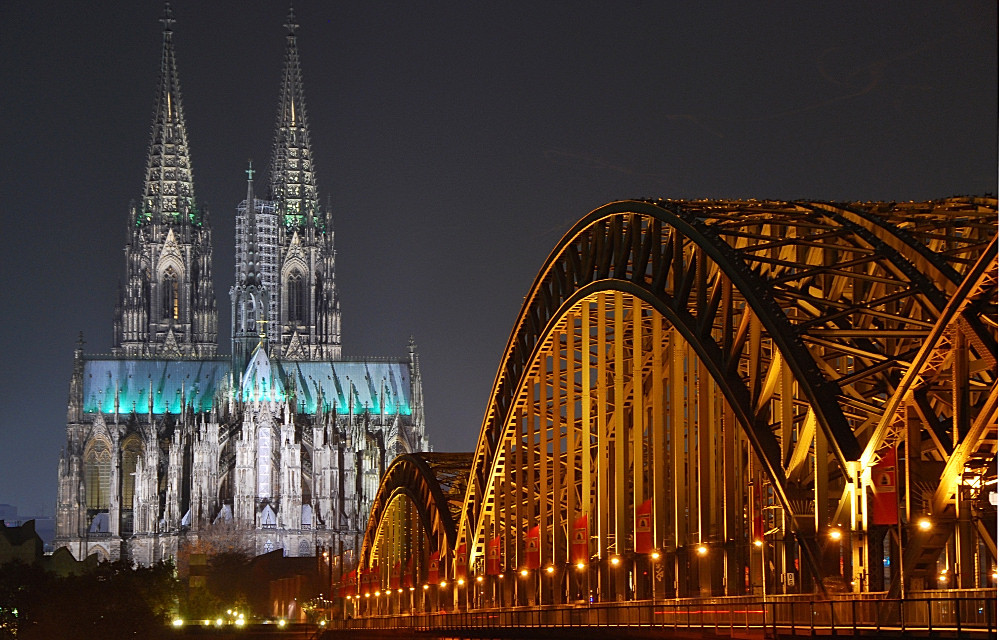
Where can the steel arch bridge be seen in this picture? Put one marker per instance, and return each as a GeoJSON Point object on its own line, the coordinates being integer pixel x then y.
{"type": "Point", "coordinates": [706, 398]}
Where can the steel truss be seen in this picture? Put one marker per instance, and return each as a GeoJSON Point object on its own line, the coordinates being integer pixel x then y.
{"type": "Point", "coordinates": [738, 368]}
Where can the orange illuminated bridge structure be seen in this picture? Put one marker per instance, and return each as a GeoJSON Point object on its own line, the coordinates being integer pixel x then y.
{"type": "Point", "coordinates": [735, 413]}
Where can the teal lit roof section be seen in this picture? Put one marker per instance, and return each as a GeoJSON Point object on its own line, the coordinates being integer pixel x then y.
{"type": "Point", "coordinates": [164, 380]}
{"type": "Point", "coordinates": [381, 387]}
{"type": "Point", "coordinates": [260, 382]}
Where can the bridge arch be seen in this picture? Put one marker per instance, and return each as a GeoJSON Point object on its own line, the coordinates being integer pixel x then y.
{"type": "Point", "coordinates": [695, 392]}
{"type": "Point", "coordinates": [414, 515]}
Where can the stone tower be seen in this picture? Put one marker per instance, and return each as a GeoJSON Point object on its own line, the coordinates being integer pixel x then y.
{"type": "Point", "coordinates": [167, 307]}
{"type": "Point", "coordinates": [306, 312]}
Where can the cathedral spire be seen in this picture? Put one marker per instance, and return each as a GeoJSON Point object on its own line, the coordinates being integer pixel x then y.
{"type": "Point", "coordinates": [168, 193]}
{"type": "Point", "coordinates": [293, 180]}
{"type": "Point", "coordinates": [249, 275]}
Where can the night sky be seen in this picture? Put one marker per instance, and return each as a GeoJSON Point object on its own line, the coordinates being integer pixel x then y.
{"type": "Point", "coordinates": [457, 142]}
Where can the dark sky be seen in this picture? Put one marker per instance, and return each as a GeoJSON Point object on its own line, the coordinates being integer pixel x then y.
{"type": "Point", "coordinates": [457, 142]}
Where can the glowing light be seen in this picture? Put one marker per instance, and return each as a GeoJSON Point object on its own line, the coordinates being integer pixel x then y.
{"type": "Point", "coordinates": [461, 581]}
{"type": "Point", "coordinates": [368, 595]}
{"type": "Point", "coordinates": [524, 573]}
{"type": "Point", "coordinates": [281, 622]}
{"type": "Point", "coordinates": [758, 543]}
{"type": "Point", "coordinates": [581, 566]}
{"type": "Point", "coordinates": [399, 590]}
{"type": "Point", "coordinates": [702, 550]}
{"type": "Point", "coordinates": [835, 534]}
{"type": "Point", "coordinates": [550, 569]}
{"type": "Point", "coordinates": [443, 584]}
{"type": "Point", "coordinates": [500, 576]}
{"type": "Point", "coordinates": [178, 622]}
{"type": "Point", "coordinates": [349, 597]}
{"type": "Point", "coordinates": [615, 561]}
{"type": "Point", "coordinates": [479, 578]}
{"type": "Point", "coordinates": [218, 622]}
{"type": "Point", "coordinates": [943, 578]}
{"type": "Point", "coordinates": [411, 588]}
{"type": "Point", "coordinates": [655, 555]}
{"type": "Point", "coordinates": [426, 586]}
{"type": "Point", "coordinates": [924, 524]}
{"type": "Point", "coordinates": [322, 623]}
{"type": "Point", "coordinates": [378, 593]}
{"type": "Point", "coordinates": [239, 622]}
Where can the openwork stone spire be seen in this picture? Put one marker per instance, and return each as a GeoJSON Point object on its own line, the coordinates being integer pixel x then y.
{"type": "Point", "coordinates": [168, 193]}
{"type": "Point", "coordinates": [293, 180]}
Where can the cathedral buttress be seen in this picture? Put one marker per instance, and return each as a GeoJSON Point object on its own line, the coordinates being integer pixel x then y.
{"type": "Point", "coordinates": [307, 306]}
{"type": "Point", "coordinates": [167, 304]}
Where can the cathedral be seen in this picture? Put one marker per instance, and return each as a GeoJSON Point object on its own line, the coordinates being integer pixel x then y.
{"type": "Point", "coordinates": [285, 440]}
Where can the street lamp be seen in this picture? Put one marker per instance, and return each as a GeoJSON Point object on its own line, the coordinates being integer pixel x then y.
{"type": "Point", "coordinates": [615, 561]}
{"type": "Point", "coordinates": [702, 550]}
{"type": "Point", "coordinates": [835, 534]}
{"type": "Point", "coordinates": [924, 524]}
{"type": "Point", "coordinates": [655, 555]}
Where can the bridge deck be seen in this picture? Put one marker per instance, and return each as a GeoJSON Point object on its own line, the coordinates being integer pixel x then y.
{"type": "Point", "coordinates": [962, 616]}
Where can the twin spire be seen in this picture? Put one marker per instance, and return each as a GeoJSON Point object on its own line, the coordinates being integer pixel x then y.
{"type": "Point", "coordinates": [293, 178]}
{"type": "Point", "coordinates": [168, 194]}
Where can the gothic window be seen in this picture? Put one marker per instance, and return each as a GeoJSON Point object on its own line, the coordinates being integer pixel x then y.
{"type": "Point", "coordinates": [304, 549]}
{"type": "Point", "coordinates": [296, 298]}
{"type": "Point", "coordinates": [97, 475]}
{"type": "Point", "coordinates": [145, 294]}
{"type": "Point", "coordinates": [130, 457]}
{"type": "Point", "coordinates": [171, 297]}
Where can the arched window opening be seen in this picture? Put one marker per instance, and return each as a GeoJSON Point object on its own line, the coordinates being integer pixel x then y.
{"type": "Point", "coordinates": [145, 294]}
{"type": "Point", "coordinates": [171, 297]}
{"type": "Point", "coordinates": [97, 476]}
{"type": "Point", "coordinates": [130, 460]}
{"type": "Point", "coordinates": [296, 298]}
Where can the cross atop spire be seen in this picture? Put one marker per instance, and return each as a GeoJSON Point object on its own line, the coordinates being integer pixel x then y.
{"type": "Point", "coordinates": [291, 25]}
{"type": "Point", "coordinates": [168, 18]}
{"type": "Point", "coordinates": [250, 170]}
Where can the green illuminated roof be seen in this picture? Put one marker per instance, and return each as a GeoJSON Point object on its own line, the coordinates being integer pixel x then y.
{"type": "Point", "coordinates": [165, 380]}
{"type": "Point", "coordinates": [344, 386]}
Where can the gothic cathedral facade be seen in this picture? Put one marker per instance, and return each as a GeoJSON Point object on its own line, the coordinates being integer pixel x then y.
{"type": "Point", "coordinates": [285, 440]}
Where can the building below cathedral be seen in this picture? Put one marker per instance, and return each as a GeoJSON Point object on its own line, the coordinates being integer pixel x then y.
{"type": "Point", "coordinates": [284, 441]}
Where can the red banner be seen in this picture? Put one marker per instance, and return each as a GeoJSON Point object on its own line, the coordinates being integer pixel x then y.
{"type": "Point", "coordinates": [493, 557]}
{"type": "Point", "coordinates": [885, 505]}
{"type": "Point", "coordinates": [580, 549]}
{"type": "Point", "coordinates": [350, 584]}
{"type": "Point", "coordinates": [644, 527]}
{"type": "Point", "coordinates": [394, 576]}
{"type": "Point", "coordinates": [461, 562]}
{"type": "Point", "coordinates": [408, 576]}
{"type": "Point", "coordinates": [533, 549]}
{"type": "Point", "coordinates": [433, 567]}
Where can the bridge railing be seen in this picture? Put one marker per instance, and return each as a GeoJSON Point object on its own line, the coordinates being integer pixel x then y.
{"type": "Point", "coordinates": [962, 614]}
